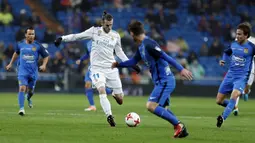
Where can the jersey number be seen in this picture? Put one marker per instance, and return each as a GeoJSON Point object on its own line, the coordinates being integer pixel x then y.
{"type": "Point", "coordinates": [96, 76]}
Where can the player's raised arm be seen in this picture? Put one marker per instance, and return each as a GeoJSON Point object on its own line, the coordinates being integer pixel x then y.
{"type": "Point", "coordinates": [87, 34]}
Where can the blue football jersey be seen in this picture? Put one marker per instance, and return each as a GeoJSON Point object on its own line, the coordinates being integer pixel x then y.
{"type": "Point", "coordinates": [149, 51]}
{"type": "Point", "coordinates": [29, 56]}
{"type": "Point", "coordinates": [241, 57]}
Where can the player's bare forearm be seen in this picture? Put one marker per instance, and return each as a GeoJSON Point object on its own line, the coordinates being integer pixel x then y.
{"type": "Point", "coordinates": [14, 58]}
{"type": "Point", "coordinates": [45, 61]}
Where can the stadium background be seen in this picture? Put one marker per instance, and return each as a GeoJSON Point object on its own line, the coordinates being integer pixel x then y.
{"type": "Point", "coordinates": [195, 32]}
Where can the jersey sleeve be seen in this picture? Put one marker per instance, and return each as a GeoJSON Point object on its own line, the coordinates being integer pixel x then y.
{"type": "Point", "coordinates": [87, 34]}
{"type": "Point", "coordinates": [17, 49]}
{"type": "Point", "coordinates": [119, 52]}
{"type": "Point", "coordinates": [154, 51]}
{"type": "Point", "coordinates": [227, 53]}
{"type": "Point", "coordinates": [43, 52]}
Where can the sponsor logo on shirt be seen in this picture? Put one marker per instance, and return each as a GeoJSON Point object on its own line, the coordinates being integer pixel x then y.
{"type": "Point", "coordinates": [28, 58]}
{"type": "Point", "coordinates": [239, 61]}
{"type": "Point", "coordinates": [99, 32]}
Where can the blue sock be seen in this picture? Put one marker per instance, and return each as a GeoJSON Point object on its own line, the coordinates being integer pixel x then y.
{"type": "Point", "coordinates": [165, 114]}
{"type": "Point", "coordinates": [229, 108]}
{"type": "Point", "coordinates": [89, 93]}
{"type": "Point", "coordinates": [108, 91]}
{"type": "Point", "coordinates": [225, 103]}
{"type": "Point", "coordinates": [21, 99]}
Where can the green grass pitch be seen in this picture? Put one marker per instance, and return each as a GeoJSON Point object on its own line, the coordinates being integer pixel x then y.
{"type": "Point", "coordinates": [59, 118]}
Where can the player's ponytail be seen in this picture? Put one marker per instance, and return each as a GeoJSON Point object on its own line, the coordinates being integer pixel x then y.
{"type": "Point", "coordinates": [106, 16]}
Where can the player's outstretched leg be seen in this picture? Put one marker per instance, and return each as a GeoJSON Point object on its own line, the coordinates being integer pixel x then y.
{"type": "Point", "coordinates": [179, 128]}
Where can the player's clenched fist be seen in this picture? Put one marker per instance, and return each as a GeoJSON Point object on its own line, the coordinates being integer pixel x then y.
{"type": "Point", "coordinates": [57, 42]}
{"type": "Point", "coordinates": [115, 64]}
{"type": "Point", "coordinates": [78, 62]}
{"type": "Point", "coordinates": [222, 63]}
{"type": "Point", "coordinates": [42, 68]}
{"type": "Point", "coordinates": [8, 67]}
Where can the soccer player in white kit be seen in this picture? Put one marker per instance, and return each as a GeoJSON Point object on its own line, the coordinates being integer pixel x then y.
{"type": "Point", "coordinates": [104, 42]}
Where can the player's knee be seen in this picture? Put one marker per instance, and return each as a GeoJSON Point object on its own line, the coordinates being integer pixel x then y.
{"type": "Point", "coordinates": [88, 85]}
{"type": "Point", "coordinates": [235, 94]}
{"type": "Point", "coordinates": [101, 90]}
{"type": "Point", "coordinates": [22, 89]}
{"type": "Point", "coordinates": [151, 106]}
{"type": "Point", "coordinates": [219, 101]}
{"type": "Point", "coordinates": [102, 96]}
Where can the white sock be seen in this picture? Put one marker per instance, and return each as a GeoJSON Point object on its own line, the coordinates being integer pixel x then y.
{"type": "Point", "coordinates": [105, 104]}
{"type": "Point", "coordinates": [237, 100]}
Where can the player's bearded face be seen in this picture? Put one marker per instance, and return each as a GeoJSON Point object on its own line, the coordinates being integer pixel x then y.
{"type": "Point", "coordinates": [240, 36]}
{"type": "Point", "coordinates": [30, 35]}
{"type": "Point", "coordinates": [107, 25]}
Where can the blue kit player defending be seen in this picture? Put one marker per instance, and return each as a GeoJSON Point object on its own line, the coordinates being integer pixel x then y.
{"type": "Point", "coordinates": [28, 52]}
{"type": "Point", "coordinates": [88, 81]}
{"type": "Point", "coordinates": [163, 79]}
{"type": "Point", "coordinates": [241, 53]}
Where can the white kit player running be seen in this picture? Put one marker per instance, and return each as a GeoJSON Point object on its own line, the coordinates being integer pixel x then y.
{"type": "Point", "coordinates": [104, 42]}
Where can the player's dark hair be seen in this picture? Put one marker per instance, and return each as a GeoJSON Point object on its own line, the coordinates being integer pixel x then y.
{"type": "Point", "coordinates": [136, 27]}
{"type": "Point", "coordinates": [29, 28]}
{"type": "Point", "coordinates": [246, 28]}
{"type": "Point", "coordinates": [107, 16]}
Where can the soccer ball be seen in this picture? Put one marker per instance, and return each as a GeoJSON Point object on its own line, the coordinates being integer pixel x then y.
{"type": "Point", "coordinates": [132, 119]}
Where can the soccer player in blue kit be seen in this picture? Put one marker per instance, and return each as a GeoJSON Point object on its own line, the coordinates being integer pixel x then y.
{"type": "Point", "coordinates": [88, 81]}
{"type": "Point", "coordinates": [163, 79]}
{"type": "Point", "coordinates": [28, 51]}
{"type": "Point", "coordinates": [241, 53]}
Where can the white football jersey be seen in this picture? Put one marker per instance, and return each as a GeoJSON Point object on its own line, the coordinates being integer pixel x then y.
{"type": "Point", "coordinates": [103, 46]}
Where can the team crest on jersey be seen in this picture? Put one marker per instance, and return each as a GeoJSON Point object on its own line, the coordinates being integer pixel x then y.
{"type": "Point", "coordinates": [34, 49]}
{"type": "Point", "coordinates": [99, 32]}
{"type": "Point", "coordinates": [245, 50]}
{"type": "Point", "coordinates": [112, 38]}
